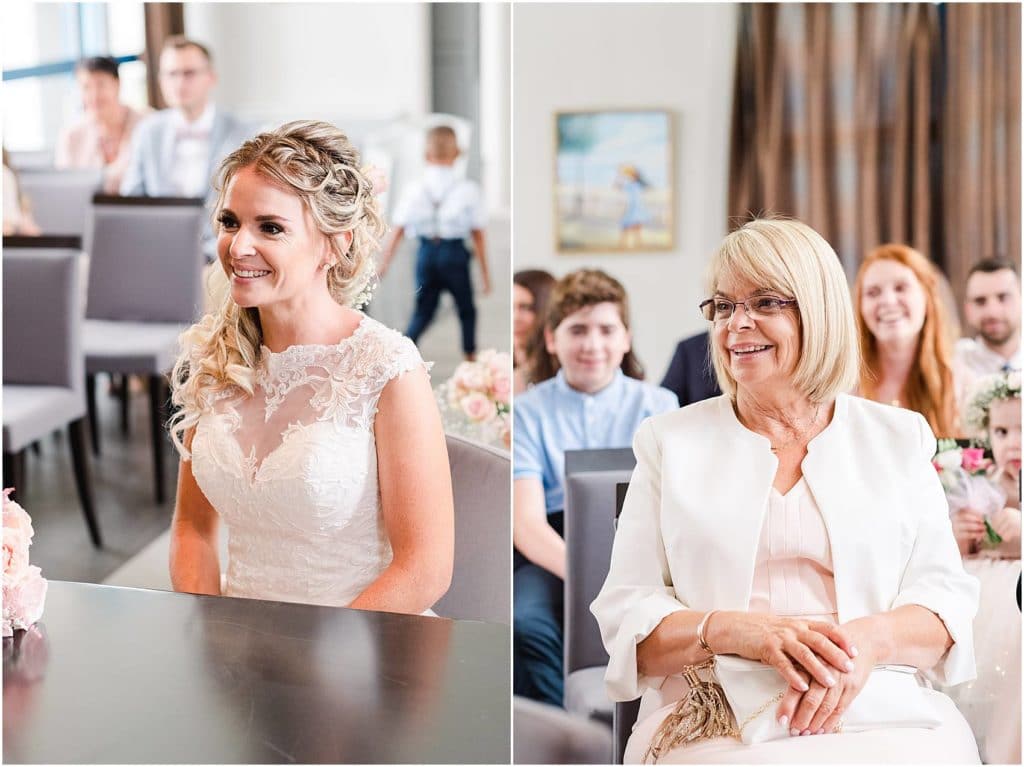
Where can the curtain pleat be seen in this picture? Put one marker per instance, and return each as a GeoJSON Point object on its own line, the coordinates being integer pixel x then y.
{"type": "Point", "coordinates": [162, 20]}
{"type": "Point", "coordinates": [866, 122]}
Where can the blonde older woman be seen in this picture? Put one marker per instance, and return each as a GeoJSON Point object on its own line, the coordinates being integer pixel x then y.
{"type": "Point", "coordinates": [787, 523]}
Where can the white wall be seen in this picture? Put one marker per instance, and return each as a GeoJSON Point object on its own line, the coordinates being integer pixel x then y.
{"type": "Point", "coordinates": [280, 61]}
{"type": "Point", "coordinates": [676, 57]}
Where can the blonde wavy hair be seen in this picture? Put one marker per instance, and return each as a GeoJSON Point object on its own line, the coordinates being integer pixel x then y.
{"type": "Point", "coordinates": [317, 162]}
{"type": "Point", "coordinates": [929, 388]}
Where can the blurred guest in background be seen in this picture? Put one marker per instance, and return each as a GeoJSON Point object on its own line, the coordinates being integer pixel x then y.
{"type": "Point", "coordinates": [690, 375]}
{"type": "Point", "coordinates": [17, 208]}
{"type": "Point", "coordinates": [175, 151]}
{"type": "Point", "coordinates": [102, 137]}
{"type": "Point", "coordinates": [442, 210]}
{"type": "Point", "coordinates": [531, 289]}
{"type": "Point", "coordinates": [906, 356]}
{"type": "Point", "coordinates": [595, 400]}
{"type": "Point", "coordinates": [992, 310]}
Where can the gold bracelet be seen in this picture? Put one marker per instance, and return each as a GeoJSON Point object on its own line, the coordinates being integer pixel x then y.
{"type": "Point", "coordinates": [701, 639]}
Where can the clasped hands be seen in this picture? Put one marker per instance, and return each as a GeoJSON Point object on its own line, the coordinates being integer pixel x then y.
{"type": "Point", "coordinates": [826, 665]}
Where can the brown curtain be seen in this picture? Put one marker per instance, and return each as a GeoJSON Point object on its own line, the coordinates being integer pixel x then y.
{"type": "Point", "coordinates": [162, 20]}
{"type": "Point", "coordinates": [981, 148]}
{"type": "Point", "coordinates": [882, 122]}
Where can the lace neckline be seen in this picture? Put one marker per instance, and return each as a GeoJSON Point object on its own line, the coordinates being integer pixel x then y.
{"type": "Point", "coordinates": [297, 356]}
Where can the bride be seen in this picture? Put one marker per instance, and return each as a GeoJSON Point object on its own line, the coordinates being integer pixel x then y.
{"type": "Point", "coordinates": [309, 428]}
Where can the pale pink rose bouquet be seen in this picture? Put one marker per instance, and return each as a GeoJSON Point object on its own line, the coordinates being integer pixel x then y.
{"type": "Point", "coordinates": [479, 394]}
{"type": "Point", "coordinates": [963, 473]}
{"type": "Point", "coordinates": [24, 588]}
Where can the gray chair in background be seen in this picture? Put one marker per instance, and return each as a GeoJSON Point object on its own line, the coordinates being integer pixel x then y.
{"type": "Point", "coordinates": [43, 359]}
{"type": "Point", "coordinates": [61, 199]}
{"type": "Point", "coordinates": [31, 159]}
{"type": "Point", "coordinates": [591, 477]}
{"type": "Point", "coordinates": [145, 288]}
{"type": "Point", "coordinates": [545, 734]}
{"type": "Point", "coordinates": [483, 552]}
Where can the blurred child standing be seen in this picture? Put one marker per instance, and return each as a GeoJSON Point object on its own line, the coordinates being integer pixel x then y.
{"type": "Point", "coordinates": [442, 211]}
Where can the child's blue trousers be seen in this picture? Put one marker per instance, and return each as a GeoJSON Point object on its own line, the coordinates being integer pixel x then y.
{"type": "Point", "coordinates": [443, 265]}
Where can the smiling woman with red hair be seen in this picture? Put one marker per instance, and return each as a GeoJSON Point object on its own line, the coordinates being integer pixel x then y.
{"type": "Point", "coordinates": [904, 342]}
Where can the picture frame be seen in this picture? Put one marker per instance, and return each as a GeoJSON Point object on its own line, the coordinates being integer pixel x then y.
{"type": "Point", "coordinates": [614, 186]}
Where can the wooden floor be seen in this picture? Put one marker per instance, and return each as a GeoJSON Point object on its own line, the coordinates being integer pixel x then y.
{"type": "Point", "coordinates": [129, 518]}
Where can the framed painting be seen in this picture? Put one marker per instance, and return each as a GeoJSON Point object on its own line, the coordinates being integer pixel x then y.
{"type": "Point", "coordinates": [613, 181]}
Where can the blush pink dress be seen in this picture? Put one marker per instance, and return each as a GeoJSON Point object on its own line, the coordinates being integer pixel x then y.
{"type": "Point", "coordinates": [793, 577]}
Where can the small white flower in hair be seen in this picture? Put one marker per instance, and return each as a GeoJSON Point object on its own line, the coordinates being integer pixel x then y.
{"type": "Point", "coordinates": [377, 178]}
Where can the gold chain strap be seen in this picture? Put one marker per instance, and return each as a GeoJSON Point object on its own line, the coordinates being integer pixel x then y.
{"type": "Point", "coordinates": [764, 707]}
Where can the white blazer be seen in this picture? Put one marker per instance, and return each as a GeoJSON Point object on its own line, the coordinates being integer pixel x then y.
{"type": "Point", "coordinates": [689, 530]}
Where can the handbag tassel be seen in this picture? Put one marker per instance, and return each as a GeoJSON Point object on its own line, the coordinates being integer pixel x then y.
{"type": "Point", "coordinates": [701, 714]}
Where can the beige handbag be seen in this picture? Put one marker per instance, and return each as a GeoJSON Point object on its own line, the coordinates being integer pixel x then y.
{"type": "Point", "coordinates": [734, 697]}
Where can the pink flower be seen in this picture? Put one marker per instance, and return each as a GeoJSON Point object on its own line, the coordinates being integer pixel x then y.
{"type": "Point", "coordinates": [477, 407]}
{"type": "Point", "coordinates": [499, 363]}
{"type": "Point", "coordinates": [501, 388]}
{"type": "Point", "coordinates": [17, 538]}
{"type": "Point", "coordinates": [470, 377]}
{"type": "Point", "coordinates": [23, 600]}
{"type": "Point", "coordinates": [973, 459]}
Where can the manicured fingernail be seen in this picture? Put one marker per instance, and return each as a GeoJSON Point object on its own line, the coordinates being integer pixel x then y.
{"type": "Point", "coordinates": [806, 732]}
{"type": "Point", "coordinates": [853, 651]}
{"type": "Point", "coordinates": [783, 720]}
{"type": "Point", "coordinates": [794, 732]}
{"type": "Point", "coordinates": [820, 732]}
{"type": "Point", "coordinates": [849, 665]}
{"type": "Point", "coordinates": [829, 681]}
{"type": "Point", "coordinates": [804, 687]}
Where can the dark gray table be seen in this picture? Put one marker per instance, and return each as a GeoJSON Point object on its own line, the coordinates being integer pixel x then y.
{"type": "Point", "coordinates": [116, 675]}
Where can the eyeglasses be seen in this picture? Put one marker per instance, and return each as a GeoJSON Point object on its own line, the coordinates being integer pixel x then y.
{"type": "Point", "coordinates": [758, 307]}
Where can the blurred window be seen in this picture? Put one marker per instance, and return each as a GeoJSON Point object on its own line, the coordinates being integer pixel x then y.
{"type": "Point", "coordinates": [42, 42]}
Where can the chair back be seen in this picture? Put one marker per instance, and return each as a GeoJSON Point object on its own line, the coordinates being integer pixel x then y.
{"type": "Point", "coordinates": [590, 500]}
{"type": "Point", "coordinates": [483, 550]}
{"type": "Point", "coordinates": [624, 716]}
{"type": "Point", "coordinates": [146, 260]}
{"type": "Point", "coordinates": [42, 312]}
{"type": "Point", "coordinates": [61, 199]}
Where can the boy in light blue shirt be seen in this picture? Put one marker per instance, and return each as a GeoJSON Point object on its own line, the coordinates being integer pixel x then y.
{"type": "Point", "coordinates": [595, 401]}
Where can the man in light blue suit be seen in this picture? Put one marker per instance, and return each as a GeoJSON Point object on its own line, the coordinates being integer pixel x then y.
{"type": "Point", "coordinates": [176, 151]}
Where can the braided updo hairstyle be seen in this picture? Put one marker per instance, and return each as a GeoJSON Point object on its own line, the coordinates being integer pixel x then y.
{"type": "Point", "coordinates": [317, 162]}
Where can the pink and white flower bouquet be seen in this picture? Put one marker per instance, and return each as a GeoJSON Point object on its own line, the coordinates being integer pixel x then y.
{"type": "Point", "coordinates": [479, 395]}
{"type": "Point", "coordinates": [24, 588]}
{"type": "Point", "coordinates": [963, 472]}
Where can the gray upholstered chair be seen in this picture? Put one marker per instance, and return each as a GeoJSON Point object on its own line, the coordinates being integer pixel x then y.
{"type": "Point", "coordinates": [145, 288]}
{"type": "Point", "coordinates": [483, 552]}
{"type": "Point", "coordinates": [591, 477]}
{"type": "Point", "coordinates": [43, 361]}
{"type": "Point", "coordinates": [545, 734]}
{"type": "Point", "coordinates": [61, 198]}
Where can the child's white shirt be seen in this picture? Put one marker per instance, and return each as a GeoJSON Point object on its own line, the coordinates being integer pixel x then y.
{"type": "Point", "coordinates": [440, 204]}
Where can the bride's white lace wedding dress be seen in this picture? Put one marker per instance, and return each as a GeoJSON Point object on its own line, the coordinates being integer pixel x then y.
{"type": "Point", "coordinates": [292, 470]}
